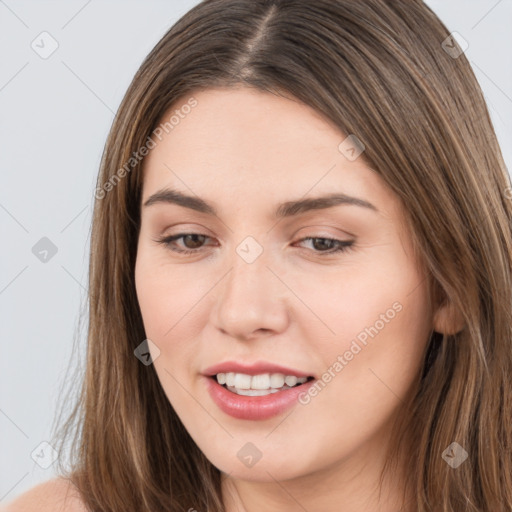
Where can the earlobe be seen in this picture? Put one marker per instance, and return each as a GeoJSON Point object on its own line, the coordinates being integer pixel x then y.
{"type": "Point", "coordinates": [448, 319]}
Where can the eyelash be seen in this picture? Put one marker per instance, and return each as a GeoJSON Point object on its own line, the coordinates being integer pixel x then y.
{"type": "Point", "coordinates": [343, 245]}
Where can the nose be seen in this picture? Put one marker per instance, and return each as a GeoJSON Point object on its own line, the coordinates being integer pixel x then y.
{"type": "Point", "coordinates": [251, 300]}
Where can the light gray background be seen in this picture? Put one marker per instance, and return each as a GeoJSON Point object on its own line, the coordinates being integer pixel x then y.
{"type": "Point", "coordinates": [55, 114]}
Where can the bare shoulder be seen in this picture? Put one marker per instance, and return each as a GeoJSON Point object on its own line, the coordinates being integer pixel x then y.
{"type": "Point", "coordinates": [54, 495]}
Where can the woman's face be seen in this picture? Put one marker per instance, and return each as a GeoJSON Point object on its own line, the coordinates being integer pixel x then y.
{"type": "Point", "coordinates": [266, 295]}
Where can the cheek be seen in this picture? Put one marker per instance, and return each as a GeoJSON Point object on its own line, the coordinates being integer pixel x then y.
{"type": "Point", "coordinates": [382, 320]}
{"type": "Point", "coordinates": [173, 300]}
{"type": "Point", "coordinates": [166, 295]}
{"type": "Point", "coordinates": [375, 323]}
{"type": "Point", "coordinates": [166, 299]}
{"type": "Point", "coordinates": [381, 325]}
{"type": "Point", "coordinates": [364, 299]}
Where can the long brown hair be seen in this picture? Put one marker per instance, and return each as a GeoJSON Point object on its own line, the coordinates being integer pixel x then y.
{"type": "Point", "coordinates": [377, 69]}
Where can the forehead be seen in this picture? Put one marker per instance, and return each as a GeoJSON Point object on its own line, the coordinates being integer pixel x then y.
{"type": "Point", "coordinates": [252, 144]}
{"type": "Point", "coordinates": [248, 123]}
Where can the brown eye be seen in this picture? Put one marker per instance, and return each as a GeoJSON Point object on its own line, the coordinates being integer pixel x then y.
{"type": "Point", "coordinates": [192, 242]}
{"type": "Point", "coordinates": [328, 245]}
{"type": "Point", "coordinates": [324, 245]}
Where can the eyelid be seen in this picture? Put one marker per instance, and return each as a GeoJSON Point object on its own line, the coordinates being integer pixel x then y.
{"type": "Point", "coordinates": [322, 227]}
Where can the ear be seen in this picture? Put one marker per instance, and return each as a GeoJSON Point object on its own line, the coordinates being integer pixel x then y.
{"type": "Point", "coordinates": [448, 319]}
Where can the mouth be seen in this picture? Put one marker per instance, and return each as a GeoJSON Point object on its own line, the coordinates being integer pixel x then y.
{"type": "Point", "coordinates": [260, 384]}
{"type": "Point", "coordinates": [257, 390]}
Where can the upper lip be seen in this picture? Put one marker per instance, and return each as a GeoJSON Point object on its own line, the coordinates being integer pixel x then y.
{"type": "Point", "coordinates": [256, 368]}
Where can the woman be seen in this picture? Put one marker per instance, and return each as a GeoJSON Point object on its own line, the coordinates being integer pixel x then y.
{"type": "Point", "coordinates": [301, 273]}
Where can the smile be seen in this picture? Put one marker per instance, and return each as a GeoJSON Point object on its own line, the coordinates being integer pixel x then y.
{"type": "Point", "coordinates": [258, 385]}
{"type": "Point", "coordinates": [244, 401]}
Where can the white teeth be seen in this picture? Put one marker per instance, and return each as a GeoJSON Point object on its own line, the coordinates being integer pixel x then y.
{"type": "Point", "coordinates": [242, 381]}
{"type": "Point", "coordinates": [277, 380]}
{"type": "Point", "coordinates": [262, 383]}
{"type": "Point", "coordinates": [290, 380]}
{"type": "Point", "coordinates": [230, 379]}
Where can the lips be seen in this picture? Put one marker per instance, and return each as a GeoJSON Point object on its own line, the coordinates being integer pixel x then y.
{"type": "Point", "coordinates": [254, 407]}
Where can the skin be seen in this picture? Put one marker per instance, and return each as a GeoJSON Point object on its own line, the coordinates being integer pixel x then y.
{"type": "Point", "coordinates": [246, 151]}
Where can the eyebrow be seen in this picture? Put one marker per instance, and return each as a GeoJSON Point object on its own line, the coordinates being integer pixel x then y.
{"type": "Point", "coordinates": [286, 209]}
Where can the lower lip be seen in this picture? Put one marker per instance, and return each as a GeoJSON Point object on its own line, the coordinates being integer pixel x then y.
{"type": "Point", "coordinates": [254, 407]}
